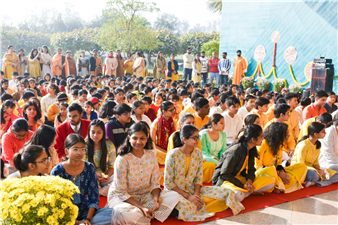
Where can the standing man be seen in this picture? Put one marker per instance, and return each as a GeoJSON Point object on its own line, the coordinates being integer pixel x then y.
{"type": "Point", "coordinates": [204, 71]}
{"type": "Point", "coordinates": [224, 66]}
{"type": "Point", "coordinates": [120, 64]}
{"type": "Point", "coordinates": [10, 63]}
{"type": "Point", "coordinates": [71, 63]}
{"type": "Point", "coordinates": [95, 64]}
{"type": "Point", "coordinates": [187, 63]}
{"type": "Point", "coordinates": [239, 67]}
{"type": "Point", "coordinates": [213, 65]}
{"type": "Point", "coordinates": [60, 65]}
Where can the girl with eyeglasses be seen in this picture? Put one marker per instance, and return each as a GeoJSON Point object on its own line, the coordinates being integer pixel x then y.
{"type": "Point", "coordinates": [45, 136]}
{"type": "Point", "coordinates": [161, 129]}
{"type": "Point", "coordinates": [135, 194]}
{"type": "Point", "coordinates": [30, 161]}
{"type": "Point", "coordinates": [184, 173]}
{"type": "Point", "coordinates": [83, 175]}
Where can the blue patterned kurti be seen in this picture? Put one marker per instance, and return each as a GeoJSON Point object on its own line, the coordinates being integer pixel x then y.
{"type": "Point", "coordinates": [87, 184]}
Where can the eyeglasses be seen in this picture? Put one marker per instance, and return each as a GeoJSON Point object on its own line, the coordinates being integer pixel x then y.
{"type": "Point", "coordinates": [77, 150]}
{"type": "Point", "coordinates": [20, 136]}
{"type": "Point", "coordinates": [126, 114]}
{"type": "Point", "coordinates": [196, 138]}
{"type": "Point", "coordinates": [173, 110]}
{"type": "Point", "coordinates": [46, 161]}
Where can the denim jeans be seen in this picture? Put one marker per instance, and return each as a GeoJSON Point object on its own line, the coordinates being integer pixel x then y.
{"type": "Point", "coordinates": [102, 216]}
{"type": "Point", "coordinates": [314, 177]}
{"type": "Point", "coordinates": [223, 79]}
{"type": "Point", "coordinates": [214, 76]}
{"type": "Point", "coordinates": [205, 78]}
{"type": "Point", "coordinates": [187, 74]}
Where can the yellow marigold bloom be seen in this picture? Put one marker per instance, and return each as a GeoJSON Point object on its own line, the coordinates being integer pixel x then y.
{"type": "Point", "coordinates": [63, 205]}
{"type": "Point", "coordinates": [25, 208]}
{"type": "Point", "coordinates": [4, 214]}
{"type": "Point", "coordinates": [18, 217]}
{"type": "Point", "coordinates": [34, 203]}
{"type": "Point", "coordinates": [42, 211]}
{"type": "Point", "coordinates": [50, 219]}
{"type": "Point", "coordinates": [61, 214]}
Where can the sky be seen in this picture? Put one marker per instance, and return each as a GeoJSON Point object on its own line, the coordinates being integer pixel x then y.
{"type": "Point", "coordinates": [194, 11]}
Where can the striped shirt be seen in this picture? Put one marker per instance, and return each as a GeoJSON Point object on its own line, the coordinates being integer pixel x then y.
{"type": "Point", "coordinates": [224, 65]}
{"type": "Point", "coordinates": [187, 59]}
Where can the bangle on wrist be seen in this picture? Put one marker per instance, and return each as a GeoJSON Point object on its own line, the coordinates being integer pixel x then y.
{"type": "Point", "coordinates": [88, 219]}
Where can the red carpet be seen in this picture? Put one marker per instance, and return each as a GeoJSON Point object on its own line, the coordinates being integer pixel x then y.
{"type": "Point", "coordinates": [254, 202]}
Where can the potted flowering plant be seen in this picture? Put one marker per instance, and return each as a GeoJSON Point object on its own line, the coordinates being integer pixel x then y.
{"type": "Point", "coordinates": [262, 83]}
{"type": "Point", "coordinates": [247, 82]}
{"type": "Point", "coordinates": [38, 200]}
{"type": "Point", "coordinates": [278, 85]}
{"type": "Point", "coordinates": [296, 88]}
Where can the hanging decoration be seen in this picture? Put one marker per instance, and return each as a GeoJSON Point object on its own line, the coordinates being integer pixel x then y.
{"type": "Point", "coordinates": [290, 55]}
{"type": "Point", "coordinates": [308, 70]}
{"type": "Point", "coordinates": [275, 36]}
{"type": "Point", "coordinates": [259, 53]}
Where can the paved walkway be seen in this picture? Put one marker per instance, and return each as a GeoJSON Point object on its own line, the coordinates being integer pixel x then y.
{"type": "Point", "coordinates": [317, 209]}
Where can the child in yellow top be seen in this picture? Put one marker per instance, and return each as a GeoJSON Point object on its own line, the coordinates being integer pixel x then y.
{"type": "Point", "coordinates": [307, 152]}
{"type": "Point", "coordinates": [324, 118]}
{"type": "Point", "coordinates": [269, 163]}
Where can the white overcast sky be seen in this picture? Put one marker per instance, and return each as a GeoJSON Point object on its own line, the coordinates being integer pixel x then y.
{"type": "Point", "coordinates": [194, 11]}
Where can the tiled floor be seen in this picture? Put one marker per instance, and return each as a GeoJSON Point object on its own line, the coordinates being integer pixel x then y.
{"type": "Point", "coordinates": [318, 209]}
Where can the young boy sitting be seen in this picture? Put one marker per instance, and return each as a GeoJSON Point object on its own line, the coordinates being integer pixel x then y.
{"type": "Point", "coordinates": [233, 123]}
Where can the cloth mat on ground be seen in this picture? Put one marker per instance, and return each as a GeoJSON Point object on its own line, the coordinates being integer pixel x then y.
{"type": "Point", "coordinates": [253, 202]}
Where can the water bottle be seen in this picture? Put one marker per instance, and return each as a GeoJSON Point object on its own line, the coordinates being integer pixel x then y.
{"type": "Point", "coordinates": [202, 82]}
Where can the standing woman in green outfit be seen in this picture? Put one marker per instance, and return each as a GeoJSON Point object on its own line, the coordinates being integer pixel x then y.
{"type": "Point", "coordinates": [213, 139]}
{"type": "Point", "coordinates": [161, 65]}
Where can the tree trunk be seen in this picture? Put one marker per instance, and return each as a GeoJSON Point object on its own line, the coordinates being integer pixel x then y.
{"type": "Point", "coordinates": [149, 59]}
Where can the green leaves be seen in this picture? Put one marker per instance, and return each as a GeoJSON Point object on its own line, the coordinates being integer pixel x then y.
{"type": "Point", "coordinates": [195, 41]}
{"type": "Point", "coordinates": [126, 30]}
{"type": "Point", "coordinates": [215, 6]}
{"type": "Point", "coordinates": [210, 47]}
{"type": "Point", "coordinates": [81, 39]}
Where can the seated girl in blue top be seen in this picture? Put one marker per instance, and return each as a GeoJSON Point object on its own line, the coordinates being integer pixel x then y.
{"type": "Point", "coordinates": [83, 175]}
{"type": "Point", "coordinates": [89, 113]}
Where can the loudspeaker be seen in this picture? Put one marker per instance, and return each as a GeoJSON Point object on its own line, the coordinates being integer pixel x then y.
{"type": "Point", "coordinates": [322, 78]}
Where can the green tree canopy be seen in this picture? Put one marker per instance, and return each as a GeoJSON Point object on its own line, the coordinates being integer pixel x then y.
{"type": "Point", "coordinates": [27, 40]}
{"type": "Point", "coordinates": [171, 43]}
{"type": "Point", "coordinates": [210, 47]}
{"type": "Point", "coordinates": [125, 29]}
{"type": "Point", "coordinates": [195, 41]}
{"type": "Point", "coordinates": [82, 39]}
{"type": "Point", "coordinates": [215, 6]}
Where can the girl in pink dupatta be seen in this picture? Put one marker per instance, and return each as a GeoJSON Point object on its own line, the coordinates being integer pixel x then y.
{"type": "Point", "coordinates": [161, 129]}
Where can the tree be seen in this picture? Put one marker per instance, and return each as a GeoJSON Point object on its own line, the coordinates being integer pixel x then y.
{"type": "Point", "coordinates": [126, 30]}
{"type": "Point", "coordinates": [81, 39]}
{"type": "Point", "coordinates": [210, 47]}
{"type": "Point", "coordinates": [27, 40]}
{"type": "Point", "coordinates": [195, 41]}
{"type": "Point", "coordinates": [215, 6]}
{"type": "Point", "coordinates": [168, 22]}
{"type": "Point", "coordinates": [171, 43]}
